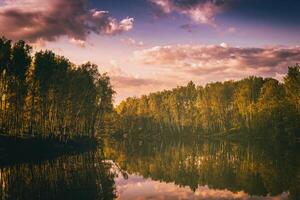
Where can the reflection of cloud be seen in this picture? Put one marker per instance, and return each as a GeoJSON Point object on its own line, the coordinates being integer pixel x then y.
{"type": "Point", "coordinates": [199, 11]}
{"type": "Point", "coordinates": [35, 20]}
{"type": "Point", "coordinates": [220, 61]}
{"type": "Point", "coordinates": [136, 187]}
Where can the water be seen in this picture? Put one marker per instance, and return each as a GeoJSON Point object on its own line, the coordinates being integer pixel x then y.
{"type": "Point", "coordinates": [165, 169]}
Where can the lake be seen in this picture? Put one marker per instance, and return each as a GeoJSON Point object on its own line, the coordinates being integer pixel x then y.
{"type": "Point", "coordinates": [162, 169]}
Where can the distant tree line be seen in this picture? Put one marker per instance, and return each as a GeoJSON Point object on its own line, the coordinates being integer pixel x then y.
{"type": "Point", "coordinates": [258, 105]}
{"type": "Point", "coordinates": [45, 94]}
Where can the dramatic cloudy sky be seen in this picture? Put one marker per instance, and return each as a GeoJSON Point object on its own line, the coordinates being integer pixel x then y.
{"type": "Point", "coordinates": [150, 45]}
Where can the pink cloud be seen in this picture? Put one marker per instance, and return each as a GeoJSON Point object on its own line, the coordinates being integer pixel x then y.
{"type": "Point", "coordinates": [126, 84]}
{"type": "Point", "coordinates": [167, 67]}
{"type": "Point", "coordinates": [80, 43]}
{"type": "Point", "coordinates": [231, 30]}
{"type": "Point", "coordinates": [220, 62]}
{"type": "Point", "coordinates": [199, 11]}
{"type": "Point", "coordinates": [132, 42]}
{"type": "Point", "coordinates": [121, 79]}
{"type": "Point", "coordinates": [131, 81]}
{"type": "Point", "coordinates": [35, 20]}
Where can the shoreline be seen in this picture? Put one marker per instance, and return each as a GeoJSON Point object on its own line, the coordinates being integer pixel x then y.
{"type": "Point", "coordinates": [15, 150]}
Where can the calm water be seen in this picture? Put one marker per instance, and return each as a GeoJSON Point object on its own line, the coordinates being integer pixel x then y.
{"type": "Point", "coordinates": [160, 170]}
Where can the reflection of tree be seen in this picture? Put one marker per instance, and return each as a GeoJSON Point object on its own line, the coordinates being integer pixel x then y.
{"type": "Point", "coordinates": [256, 169]}
{"type": "Point", "coordinates": [77, 177]}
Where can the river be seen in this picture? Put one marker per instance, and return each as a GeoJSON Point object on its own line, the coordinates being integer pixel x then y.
{"type": "Point", "coordinates": [165, 169]}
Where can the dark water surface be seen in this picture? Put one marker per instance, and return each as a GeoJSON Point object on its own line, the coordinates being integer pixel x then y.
{"type": "Point", "coordinates": [161, 170]}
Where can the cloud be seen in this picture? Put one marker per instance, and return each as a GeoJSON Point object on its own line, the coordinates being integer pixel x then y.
{"type": "Point", "coordinates": [189, 28]}
{"type": "Point", "coordinates": [126, 84]}
{"type": "Point", "coordinates": [121, 79]}
{"type": "Point", "coordinates": [132, 42]}
{"type": "Point", "coordinates": [224, 45]}
{"type": "Point", "coordinates": [220, 62]}
{"type": "Point", "coordinates": [199, 11]}
{"type": "Point", "coordinates": [231, 30]}
{"type": "Point", "coordinates": [131, 81]}
{"type": "Point", "coordinates": [35, 20]}
{"type": "Point", "coordinates": [80, 43]}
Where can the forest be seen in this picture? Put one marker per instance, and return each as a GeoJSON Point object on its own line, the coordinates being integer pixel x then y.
{"type": "Point", "coordinates": [255, 106]}
{"type": "Point", "coordinates": [43, 94]}
{"type": "Point", "coordinates": [50, 107]}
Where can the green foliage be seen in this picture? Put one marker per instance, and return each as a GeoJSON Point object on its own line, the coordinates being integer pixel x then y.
{"type": "Point", "coordinates": [261, 107]}
{"type": "Point", "coordinates": [46, 94]}
{"type": "Point", "coordinates": [292, 85]}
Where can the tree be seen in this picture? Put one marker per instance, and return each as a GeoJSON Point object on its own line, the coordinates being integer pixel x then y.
{"type": "Point", "coordinates": [46, 95]}
{"type": "Point", "coordinates": [271, 107]}
{"type": "Point", "coordinates": [292, 85]}
{"type": "Point", "coordinates": [251, 105]}
{"type": "Point", "coordinates": [5, 55]}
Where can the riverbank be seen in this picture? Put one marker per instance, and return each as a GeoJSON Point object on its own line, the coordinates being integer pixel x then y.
{"type": "Point", "coordinates": [21, 149]}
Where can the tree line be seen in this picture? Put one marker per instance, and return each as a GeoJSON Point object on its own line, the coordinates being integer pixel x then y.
{"type": "Point", "coordinates": [45, 94]}
{"type": "Point", "coordinates": [263, 106]}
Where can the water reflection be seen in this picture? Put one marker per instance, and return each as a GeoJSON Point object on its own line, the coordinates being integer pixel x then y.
{"type": "Point", "coordinates": [240, 170]}
{"type": "Point", "coordinates": [82, 176]}
{"type": "Point", "coordinates": [137, 187]}
{"type": "Point", "coordinates": [165, 169]}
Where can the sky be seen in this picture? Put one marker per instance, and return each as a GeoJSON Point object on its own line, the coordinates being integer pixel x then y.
{"type": "Point", "coordinates": [151, 45]}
